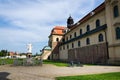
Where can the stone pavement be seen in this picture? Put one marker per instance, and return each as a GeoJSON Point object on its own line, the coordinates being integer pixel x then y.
{"type": "Point", "coordinates": [49, 72]}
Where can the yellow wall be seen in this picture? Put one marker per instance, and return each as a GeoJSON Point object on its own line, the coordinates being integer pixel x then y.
{"type": "Point", "coordinates": [64, 54]}
{"type": "Point", "coordinates": [46, 54]}
{"type": "Point", "coordinates": [112, 23]}
{"type": "Point", "coordinates": [93, 37]}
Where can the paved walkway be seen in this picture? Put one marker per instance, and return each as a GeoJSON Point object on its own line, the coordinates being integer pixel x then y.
{"type": "Point", "coordinates": [49, 72]}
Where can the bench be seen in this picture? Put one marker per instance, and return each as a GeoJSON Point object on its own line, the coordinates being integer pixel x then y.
{"type": "Point", "coordinates": [75, 63]}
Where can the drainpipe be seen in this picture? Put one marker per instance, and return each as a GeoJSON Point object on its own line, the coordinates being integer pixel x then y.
{"type": "Point", "coordinates": [106, 44]}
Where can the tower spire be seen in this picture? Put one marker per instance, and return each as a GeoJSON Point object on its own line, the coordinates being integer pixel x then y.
{"type": "Point", "coordinates": [70, 21]}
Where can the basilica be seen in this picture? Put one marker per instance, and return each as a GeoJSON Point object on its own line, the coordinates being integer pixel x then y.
{"type": "Point", "coordinates": [94, 39]}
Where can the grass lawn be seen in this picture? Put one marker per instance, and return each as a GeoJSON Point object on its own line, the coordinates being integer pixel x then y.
{"type": "Point", "coordinates": [57, 63]}
{"type": "Point", "coordinates": [105, 76]}
{"type": "Point", "coordinates": [6, 61]}
{"type": "Point", "coordinates": [11, 61]}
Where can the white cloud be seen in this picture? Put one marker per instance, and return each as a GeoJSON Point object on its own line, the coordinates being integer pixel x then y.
{"type": "Point", "coordinates": [33, 19]}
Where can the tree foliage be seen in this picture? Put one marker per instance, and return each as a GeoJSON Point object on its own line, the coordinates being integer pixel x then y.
{"type": "Point", "coordinates": [3, 53]}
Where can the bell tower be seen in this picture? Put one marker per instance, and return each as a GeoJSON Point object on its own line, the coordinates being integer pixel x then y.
{"type": "Point", "coordinates": [70, 22]}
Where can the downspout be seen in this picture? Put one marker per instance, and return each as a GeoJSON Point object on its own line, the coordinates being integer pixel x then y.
{"type": "Point", "coordinates": [106, 44]}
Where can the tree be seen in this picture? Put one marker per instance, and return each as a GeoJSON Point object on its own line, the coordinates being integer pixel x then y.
{"type": "Point", "coordinates": [3, 53]}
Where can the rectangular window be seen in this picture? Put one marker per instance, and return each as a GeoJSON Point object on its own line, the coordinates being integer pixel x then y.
{"type": "Point", "coordinates": [70, 36]}
{"type": "Point", "coordinates": [87, 41]}
{"type": "Point", "coordinates": [72, 45]}
{"type": "Point", "coordinates": [116, 11]}
{"type": "Point", "coordinates": [67, 46]}
{"type": "Point", "coordinates": [78, 43]}
{"type": "Point", "coordinates": [75, 34]}
{"type": "Point", "coordinates": [80, 31]}
{"type": "Point", "coordinates": [118, 33]}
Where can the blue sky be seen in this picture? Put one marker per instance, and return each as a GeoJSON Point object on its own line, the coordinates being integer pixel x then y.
{"type": "Point", "coordinates": [30, 21]}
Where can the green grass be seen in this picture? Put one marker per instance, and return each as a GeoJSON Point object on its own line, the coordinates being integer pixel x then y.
{"type": "Point", "coordinates": [57, 63]}
{"type": "Point", "coordinates": [6, 61]}
{"type": "Point", "coordinates": [105, 76]}
{"type": "Point", "coordinates": [11, 61]}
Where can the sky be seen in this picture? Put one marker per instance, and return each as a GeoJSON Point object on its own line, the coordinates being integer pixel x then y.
{"type": "Point", "coordinates": [31, 21]}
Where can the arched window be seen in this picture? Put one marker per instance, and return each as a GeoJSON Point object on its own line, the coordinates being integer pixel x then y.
{"type": "Point", "coordinates": [87, 41]}
{"type": "Point", "coordinates": [80, 31]}
{"type": "Point", "coordinates": [115, 11]}
{"type": "Point", "coordinates": [97, 23]}
{"type": "Point", "coordinates": [72, 45]}
{"type": "Point", "coordinates": [117, 33]}
{"type": "Point", "coordinates": [78, 43]}
{"type": "Point", "coordinates": [100, 37]}
{"type": "Point", "coordinates": [88, 28]}
{"type": "Point", "coordinates": [75, 34]}
{"type": "Point", "coordinates": [57, 39]}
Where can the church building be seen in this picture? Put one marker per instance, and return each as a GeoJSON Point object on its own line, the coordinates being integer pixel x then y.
{"type": "Point", "coordinates": [94, 39]}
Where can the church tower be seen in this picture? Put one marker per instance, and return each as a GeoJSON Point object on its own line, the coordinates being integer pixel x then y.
{"type": "Point", "coordinates": [70, 22]}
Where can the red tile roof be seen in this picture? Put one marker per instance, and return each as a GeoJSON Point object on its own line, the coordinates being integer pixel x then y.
{"type": "Point", "coordinates": [12, 53]}
{"type": "Point", "coordinates": [58, 30]}
{"type": "Point", "coordinates": [59, 27]}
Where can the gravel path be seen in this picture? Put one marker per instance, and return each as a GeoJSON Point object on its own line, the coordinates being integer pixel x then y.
{"type": "Point", "coordinates": [49, 72]}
